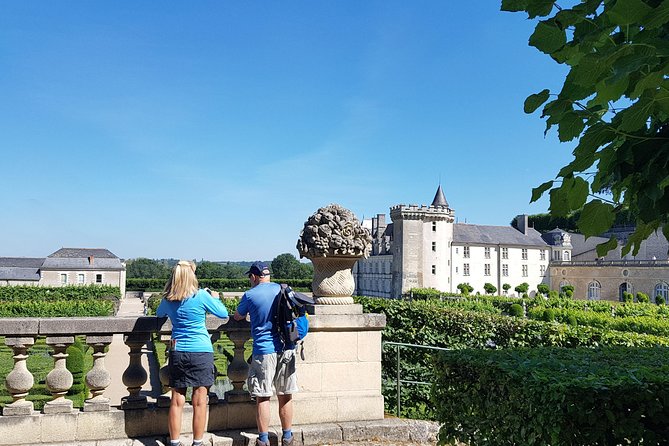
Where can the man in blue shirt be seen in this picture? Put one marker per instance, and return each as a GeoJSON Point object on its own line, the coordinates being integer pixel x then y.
{"type": "Point", "coordinates": [272, 368]}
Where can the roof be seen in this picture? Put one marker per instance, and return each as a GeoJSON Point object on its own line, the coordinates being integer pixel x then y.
{"type": "Point", "coordinates": [495, 235]}
{"type": "Point", "coordinates": [20, 268]}
{"type": "Point", "coordinates": [439, 198]}
{"type": "Point", "coordinates": [83, 259]}
{"type": "Point", "coordinates": [581, 245]}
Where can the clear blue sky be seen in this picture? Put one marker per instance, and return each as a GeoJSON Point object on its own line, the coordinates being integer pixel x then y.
{"type": "Point", "coordinates": [213, 129]}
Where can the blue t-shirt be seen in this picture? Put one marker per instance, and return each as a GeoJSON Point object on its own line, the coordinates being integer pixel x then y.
{"type": "Point", "coordinates": [258, 302]}
{"type": "Point", "coordinates": [188, 320]}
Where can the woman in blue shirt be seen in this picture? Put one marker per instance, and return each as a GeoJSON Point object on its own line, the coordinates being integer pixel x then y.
{"type": "Point", "coordinates": [191, 352]}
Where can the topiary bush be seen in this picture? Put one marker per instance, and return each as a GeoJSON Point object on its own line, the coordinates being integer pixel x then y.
{"type": "Point", "coordinates": [516, 310]}
{"type": "Point", "coordinates": [642, 297]}
{"type": "Point", "coordinates": [549, 315]}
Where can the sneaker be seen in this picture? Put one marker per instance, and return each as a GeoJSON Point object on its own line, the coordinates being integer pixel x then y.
{"type": "Point", "coordinates": [287, 441]}
{"type": "Point", "coordinates": [261, 443]}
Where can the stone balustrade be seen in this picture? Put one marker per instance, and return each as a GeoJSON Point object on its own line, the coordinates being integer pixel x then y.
{"type": "Point", "coordinates": [339, 377]}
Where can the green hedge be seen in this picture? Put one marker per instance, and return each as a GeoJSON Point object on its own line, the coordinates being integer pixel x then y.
{"type": "Point", "coordinates": [433, 323]}
{"type": "Point", "coordinates": [214, 284]}
{"type": "Point", "coordinates": [50, 294]}
{"type": "Point", "coordinates": [61, 308]}
{"type": "Point", "coordinates": [553, 396]}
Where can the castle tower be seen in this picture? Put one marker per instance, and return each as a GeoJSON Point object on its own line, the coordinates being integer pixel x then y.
{"type": "Point", "coordinates": [422, 237]}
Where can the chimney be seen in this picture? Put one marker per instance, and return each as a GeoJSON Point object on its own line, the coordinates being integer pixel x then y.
{"type": "Point", "coordinates": [381, 222]}
{"type": "Point", "coordinates": [521, 223]}
{"type": "Point", "coordinates": [90, 260]}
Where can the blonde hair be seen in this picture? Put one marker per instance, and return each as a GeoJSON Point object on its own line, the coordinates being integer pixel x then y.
{"type": "Point", "coordinates": [182, 283]}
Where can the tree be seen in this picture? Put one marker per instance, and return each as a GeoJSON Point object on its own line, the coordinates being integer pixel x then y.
{"type": "Point", "coordinates": [286, 266]}
{"type": "Point", "coordinates": [489, 288]}
{"type": "Point", "coordinates": [615, 100]}
{"type": "Point", "coordinates": [543, 289]}
{"type": "Point", "coordinates": [522, 288]}
{"type": "Point", "coordinates": [209, 270]}
{"type": "Point", "coordinates": [506, 287]}
{"type": "Point", "coordinates": [465, 288]}
{"type": "Point", "coordinates": [142, 268]}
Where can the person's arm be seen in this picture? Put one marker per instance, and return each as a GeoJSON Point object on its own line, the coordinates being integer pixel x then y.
{"type": "Point", "coordinates": [242, 309]}
{"type": "Point", "coordinates": [213, 304]}
{"type": "Point", "coordinates": [161, 311]}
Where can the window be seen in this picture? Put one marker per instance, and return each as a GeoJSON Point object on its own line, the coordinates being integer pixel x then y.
{"type": "Point", "coordinates": [505, 269]}
{"type": "Point", "coordinates": [486, 252]}
{"type": "Point", "coordinates": [542, 255]}
{"type": "Point", "coordinates": [98, 278]}
{"type": "Point", "coordinates": [80, 278]}
{"type": "Point", "coordinates": [565, 256]}
{"type": "Point", "coordinates": [465, 252]}
{"type": "Point", "coordinates": [542, 269]}
{"type": "Point", "coordinates": [456, 249]}
{"type": "Point", "coordinates": [486, 269]}
{"type": "Point", "coordinates": [456, 270]}
{"type": "Point", "coordinates": [63, 278]}
{"type": "Point", "coordinates": [434, 226]}
{"type": "Point", "coordinates": [662, 289]}
{"type": "Point", "coordinates": [556, 255]}
{"type": "Point", "coordinates": [523, 254]}
{"type": "Point", "coordinates": [465, 269]}
{"type": "Point", "coordinates": [434, 269]}
{"type": "Point", "coordinates": [524, 270]}
{"type": "Point", "coordinates": [505, 253]}
{"type": "Point", "coordinates": [434, 246]}
{"type": "Point", "coordinates": [594, 290]}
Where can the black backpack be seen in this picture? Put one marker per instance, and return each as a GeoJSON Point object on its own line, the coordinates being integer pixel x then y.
{"type": "Point", "coordinates": [291, 318]}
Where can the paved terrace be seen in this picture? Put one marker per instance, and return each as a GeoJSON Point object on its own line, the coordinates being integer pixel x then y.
{"type": "Point", "coordinates": [340, 399]}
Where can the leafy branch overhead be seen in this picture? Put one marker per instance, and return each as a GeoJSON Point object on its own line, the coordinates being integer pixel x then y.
{"type": "Point", "coordinates": [615, 102]}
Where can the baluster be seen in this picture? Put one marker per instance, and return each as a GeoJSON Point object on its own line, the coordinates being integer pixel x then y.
{"type": "Point", "coordinates": [213, 398]}
{"type": "Point", "coordinates": [19, 381]}
{"type": "Point", "coordinates": [135, 375]}
{"type": "Point", "coordinates": [164, 374]}
{"type": "Point", "coordinates": [238, 368]}
{"type": "Point", "coordinates": [98, 378]}
{"type": "Point", "coordinates": [59, 380]}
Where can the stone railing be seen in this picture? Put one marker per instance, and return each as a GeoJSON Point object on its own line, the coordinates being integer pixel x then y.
{"type": "Point", "coordinates": [631, 263]}
{"type": "Point", "coordinates": [339, 377]}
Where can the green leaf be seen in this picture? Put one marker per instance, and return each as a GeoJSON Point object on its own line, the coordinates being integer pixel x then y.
{"type": "Point", "coordinates": [535, 101]}
{"type": "Point", "coordinates": [641, 233]}
{"type": "Point", "coordinates": [539, 8]}
{"type": "Point", "coordinates": [570, 126]}
{"type": "Point", "coordinates": [537, 192]}
{"type": "Point", "coordinates": [626, 12]}
{"type": "Point", "coordinates": [658, 17]}
{"type": "Point", "coordinates": [570, 196]}
{"type": "Point", "coordinates": [596, 217]}
{"type": "Point", "coordinates": [514, 5]}
{"type": "Point", "coordinates": [604, 248]}
{"type": "Point", "coordinates": [635, 117]}
{"type": "Point", "coordinates": [547, 37]}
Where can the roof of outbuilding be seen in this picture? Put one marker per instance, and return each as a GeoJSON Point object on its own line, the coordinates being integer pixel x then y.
{"type": "Point", "coordinates": [494, 235]}
{"type": "Point", "coordinates": [83, 258]}
{"type": "Point", "coordinates": [20, 268]}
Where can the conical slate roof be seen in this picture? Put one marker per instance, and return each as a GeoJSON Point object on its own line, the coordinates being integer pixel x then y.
{"type": "Point", "coordinates": [439, 198]}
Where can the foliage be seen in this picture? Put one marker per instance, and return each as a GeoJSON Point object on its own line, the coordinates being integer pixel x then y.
{"type": "Point", "coordinates": [659, 300]}
{"type": "Point", "coordinates": [72, 292]}
{"type": "Point", "coordinates": [615, 100]}
{"type": "Point", "coordinates": [214, 284]}
{"type": "Point", "coordinates": [516, 310]}
{"type": "Point", "coordinates": [628, 297]}
{"type": "Point", "coordinates": [548, 315]}
{"type": "Point", "coordinates": [544, 289]}
{"type": "Point", "coordinates": [558, 396]}
{"type": "Point", "coordinates": [465, 288]}
{"type": "Point", "coordinates": [566, 288]}
{"type": "Point", "coordinates": [146, 268]}
{"type": "Point", "coordinates": [287, 266]}
{"type": "Point", "coordinates": [522, 288]}
{"type": "Point", "coordinates": [67, 301]}
{"type": "Point", "coordinates": [506, 287]}
{"type": "Point", "coordinates": [489, 288]}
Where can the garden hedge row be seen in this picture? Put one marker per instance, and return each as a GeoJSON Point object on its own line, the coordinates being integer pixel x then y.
{"type": "Point", "coordinates": [553, 396]}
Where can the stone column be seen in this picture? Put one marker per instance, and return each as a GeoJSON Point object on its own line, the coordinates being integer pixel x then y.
{"type": "Point", "coordinates": [19, 381]}
{"type": "Point", "coordinates": [164, 373]}
{"type": "Point", "coordinates": [238, 368]}
{"type": "Point", "coordinates": [98, 378]}
{"type": "Point", "coordinates": [59, 380]}
{"type": "Point", "coordinates": [135, 376]}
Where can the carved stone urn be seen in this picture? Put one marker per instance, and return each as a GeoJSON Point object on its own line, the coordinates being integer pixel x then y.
{"type": "Point", "coordinates": [333, 239]}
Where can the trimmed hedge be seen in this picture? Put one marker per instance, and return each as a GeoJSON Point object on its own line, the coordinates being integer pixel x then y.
{"type": "Point", "coordinates": [67, 301]}
{"type": "Point", "coordinates": [214, 284]}
{"type": "Point", "coordinates": [553, 396]}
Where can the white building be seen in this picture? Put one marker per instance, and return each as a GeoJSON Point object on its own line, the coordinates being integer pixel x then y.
{"type": "Point", "coordinates": [423, 247]}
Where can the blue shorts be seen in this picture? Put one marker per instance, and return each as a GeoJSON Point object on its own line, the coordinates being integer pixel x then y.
{"type": "Point", "coordinates": [191, 369]}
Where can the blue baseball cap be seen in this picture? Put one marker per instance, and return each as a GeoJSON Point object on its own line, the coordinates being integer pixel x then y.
{"type": "Point", "coordinates": [258, 269]}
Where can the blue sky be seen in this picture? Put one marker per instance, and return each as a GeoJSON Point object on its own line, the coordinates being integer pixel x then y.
{"type": "Point", "coordinates": [214, 129]}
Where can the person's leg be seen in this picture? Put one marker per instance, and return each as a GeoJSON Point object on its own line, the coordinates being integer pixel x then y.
{"type": "Point", "coordinates": [285, 382]}
{"type": "Point", "coordinates": [199, 401]}
{"type": "Point", "coordinates": [286, 412]}
{"type": "Point", "coordinates": [262, 417]}
{"type": "Point", "coordinates": [176, 410]}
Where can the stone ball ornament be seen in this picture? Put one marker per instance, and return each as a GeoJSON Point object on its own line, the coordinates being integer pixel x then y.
{"type": "Point", "coordinates": [333, 231]}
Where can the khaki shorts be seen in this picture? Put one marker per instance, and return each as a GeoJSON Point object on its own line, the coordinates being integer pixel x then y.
{"type": "Point", "coordinates": [272, 372]}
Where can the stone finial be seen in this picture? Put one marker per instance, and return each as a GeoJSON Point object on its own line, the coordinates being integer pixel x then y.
{"type": "Point", "coordinates": [333, 231]}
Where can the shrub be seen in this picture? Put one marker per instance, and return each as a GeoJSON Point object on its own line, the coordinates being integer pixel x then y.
{"type": "Point", "coordinates": [659, 300]}
{"type": "Point", "coordinates": [571, 320]}
{"type": "Point", "coordinates": [489, 288]}
{"type": "Point", "coordinates": [522, 288]}
{"type": "Point", "coordinates": [642, 297]}
{"type": "Point", "coordinates": [516, 310]}
{"type": "Point", "coordinates": [548, 315]}
{"type": "Point", "coordinates": [628, 297]}
{"type": "Point", "coordinates": [544, 289]}
{"type": "Point", "coordinates": [566, 288]}
{"type": "Point", "coordinates": [506, 287]}
{"type": "Point", "coordinates": [465, 288]}
{"type": "Point", "coordinates": [569, 294]}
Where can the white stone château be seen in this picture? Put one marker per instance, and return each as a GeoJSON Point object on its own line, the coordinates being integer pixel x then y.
{"type": "Point", "coordinates": [423, 247]}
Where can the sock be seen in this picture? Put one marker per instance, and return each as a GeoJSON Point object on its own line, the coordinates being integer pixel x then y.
{"type": "Point", "coordinates": [263, 436]}
{"type": "Point", "coordinates": [287, 433]}
{"type": "Point", "coordinates": [198, 442]}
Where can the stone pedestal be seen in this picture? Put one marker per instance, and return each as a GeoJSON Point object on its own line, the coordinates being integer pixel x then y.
{"type": "Point", "coordinates": [333, 282]}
